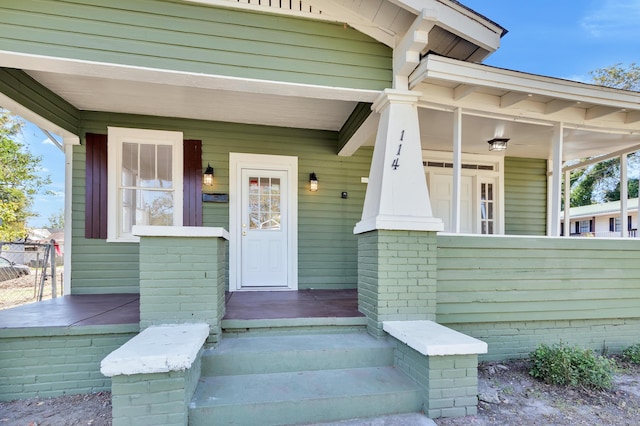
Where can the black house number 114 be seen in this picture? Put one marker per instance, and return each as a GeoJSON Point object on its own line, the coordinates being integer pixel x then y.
{"type": "Point", "coordinates": [396, 161]}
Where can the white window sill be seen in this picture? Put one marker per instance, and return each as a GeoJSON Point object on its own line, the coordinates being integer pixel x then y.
{"type": "Point", "coordinates": [180, 231]}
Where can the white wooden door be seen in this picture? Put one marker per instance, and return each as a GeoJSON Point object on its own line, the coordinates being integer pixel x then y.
{"type": "Point", "coordinates": [441, 194]}
{"type": "Point", "coordinates": [264, 251]}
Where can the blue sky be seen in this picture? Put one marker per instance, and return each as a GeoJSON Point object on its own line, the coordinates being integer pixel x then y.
{"type": "Point", "coordinates": [563, 38]}
{"type": "Point", "coordinates": [560, 38]}
{"type": "Point", "coordinates": [53, 166]}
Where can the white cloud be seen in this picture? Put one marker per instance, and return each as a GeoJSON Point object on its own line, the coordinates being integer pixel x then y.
{"type": "Point", "coordinates": [47, 141]}
{"type": "Point", "coordinates": [613, 19]}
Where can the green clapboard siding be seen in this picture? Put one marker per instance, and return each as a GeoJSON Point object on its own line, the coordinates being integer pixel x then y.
{"type": "Point", "coordinates": [495, 279]}
{"type": "Point", "coordinates": [23, 89]}
{"type": "Point", "coordinates": [525, 199]}
{"type": "Point", "coordinates": [327, 248]}
{"type": "Point", "coordinates": [97, 266]}
{"type": "Point", "coordinates": [184, 36]}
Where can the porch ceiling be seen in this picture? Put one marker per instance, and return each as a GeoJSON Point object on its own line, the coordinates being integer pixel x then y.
{"type": "Point", "coordinates": [524, 108]}
{"type": "Point", "coordinates": [207, 98]}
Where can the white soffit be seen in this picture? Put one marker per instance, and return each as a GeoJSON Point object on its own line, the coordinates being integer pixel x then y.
{"type": "Point", "coordinates": [135, 90]}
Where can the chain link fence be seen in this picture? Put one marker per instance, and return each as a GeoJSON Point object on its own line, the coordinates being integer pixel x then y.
{"type": "Point", "coordinates": [29, 272]}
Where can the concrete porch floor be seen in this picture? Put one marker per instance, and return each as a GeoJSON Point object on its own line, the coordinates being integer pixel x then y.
{"type": "Point", "coordinates": [113, 309]}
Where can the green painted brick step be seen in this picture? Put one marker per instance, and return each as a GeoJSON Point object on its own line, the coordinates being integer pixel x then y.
{"type": "Point", "coordinates": [303, 396]}
{"type": "Point", "coordinates": [275, 354]}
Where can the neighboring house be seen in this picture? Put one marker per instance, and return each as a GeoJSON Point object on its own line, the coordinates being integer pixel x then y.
{"type": "Point", "coordinates": [604, 220]}
{"type": "Point", "coordinates": [345, 137]}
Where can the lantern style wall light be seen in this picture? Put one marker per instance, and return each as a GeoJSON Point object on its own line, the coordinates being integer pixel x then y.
{"type": "Point", "coordinates": [498, 144]}
{"type": "Point", "coordinates": [207, 177]}
{"type": "Point", "coordinates": [313, 182]}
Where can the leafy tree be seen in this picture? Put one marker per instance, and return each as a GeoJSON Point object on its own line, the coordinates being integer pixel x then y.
{"type": "Point", "coordinates": [19, 179]}
{"type": "Point", "coordinates": [600, 182]}
{"type": "Point", "coordinates": [56, 220]}
{"type": "Point", "coordinates": [619, 77]}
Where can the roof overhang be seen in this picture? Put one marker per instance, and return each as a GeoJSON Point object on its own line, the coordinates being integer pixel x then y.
{"type": "Point", "coordinates": [104, 87]}
{"type": "Point", "coordinates": [523, 107]}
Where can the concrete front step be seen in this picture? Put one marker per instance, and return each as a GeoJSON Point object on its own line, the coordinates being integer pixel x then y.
{"type": "Point", "coordinates": [275, 354]}
{"type": "Point", "coordinates": [303, 397]}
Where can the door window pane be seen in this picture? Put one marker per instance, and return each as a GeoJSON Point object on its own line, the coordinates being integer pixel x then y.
{"type": "Point", "coordinates": [264, 203]}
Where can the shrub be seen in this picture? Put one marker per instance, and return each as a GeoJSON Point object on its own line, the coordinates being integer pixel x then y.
{"type": "Point", "coordinates": [632, 354]}
{"type": "Point", "coordinates": [564, 365]}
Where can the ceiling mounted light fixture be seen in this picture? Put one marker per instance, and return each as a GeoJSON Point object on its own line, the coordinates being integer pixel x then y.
{"type": "Point", "coordinates": [498, 144]}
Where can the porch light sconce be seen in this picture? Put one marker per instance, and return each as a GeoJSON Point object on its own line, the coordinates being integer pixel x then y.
{"type": "Point", "coordinates": [498, 144]}
{"type": "Point", "coordinates": [313, 182]}
{"type": "Point", "coordinates": [207, 177]}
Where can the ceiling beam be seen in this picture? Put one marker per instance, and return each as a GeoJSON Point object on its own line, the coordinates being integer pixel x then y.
{"type": "Point", "coordinates": [600, 159]}
{"type": "Point", "coordinates": [599, 111]}
{"type": "Point", "coordinates": [512, 98]}
{"type": "Point", "coordinates": [558, 105]}
{"type": "Point", "coordinates": [463, 90]}
{"type": "Point", "coordinates": [632, 117]}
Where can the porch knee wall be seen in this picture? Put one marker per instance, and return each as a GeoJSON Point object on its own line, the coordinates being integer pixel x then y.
{"type": "Point", "coordinates": [48, 362]}
{"type": "Point", "coordinates": [517, 339]}
{"type": "Point", "coordinates": [182, 280]}
{"type": "Point", "coordinates": [396, 277]}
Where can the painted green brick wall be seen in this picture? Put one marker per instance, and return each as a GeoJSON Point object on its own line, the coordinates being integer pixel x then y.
{"type": "Point", "coordinates": [45, 362]}
{"type": "Point", "coordinates": [397, 276]}
{"type": "Point", "coordinates": [154, 399]}
{"type": "Point", "coordinates": [182, 280]}
{"type": "Point", "coordinates": [450, 382]}
{"type": "Point", "coordinates": [517, 339]}
{"type": "Point", "coordinates": [525, 198]}
{"type": "Point", "coordinates": [519, 291]}
{"type": "Point", "coordinates": [327, 248]}
{"type": "Point", "coordinates": [191, 37]}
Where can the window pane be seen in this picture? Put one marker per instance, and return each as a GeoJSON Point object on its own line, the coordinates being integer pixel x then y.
{"type": "Point", "coordinates": [165, 166]}
{"type": "Point", "coordinates": [140, 207]}
{"type": "Point", "coordinates": [264, 203]}
{"type": "Point", "coordinates": [129, 163]}
{"type": "Point", "coordinates": [148, 166]}
{"type": "Point", "coordinates": [154, 208]}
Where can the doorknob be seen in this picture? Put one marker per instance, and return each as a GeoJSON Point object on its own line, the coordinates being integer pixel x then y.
{"type": "Point", "coordinates": [244, 233]}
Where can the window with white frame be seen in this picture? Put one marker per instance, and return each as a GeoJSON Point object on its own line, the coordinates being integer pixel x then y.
{"type": "Point", "coordinates": [145, 180]}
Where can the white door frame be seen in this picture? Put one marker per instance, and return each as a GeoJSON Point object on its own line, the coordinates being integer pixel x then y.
{"type": "Point", "coordinates": [497, 173]}
{"type": "Point", "coordinates": [237, 162]}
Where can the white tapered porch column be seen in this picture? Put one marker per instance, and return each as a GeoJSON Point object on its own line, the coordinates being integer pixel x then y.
{"type": "Point", "coordinates": [556, 180]}
{"type": "Point", "coordinates": [397, 197]}
{"type": "Point", "coordinates": [624, 195]}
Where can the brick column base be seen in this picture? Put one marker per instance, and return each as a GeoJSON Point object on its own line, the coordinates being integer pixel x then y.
{"type": "Point", "coordinates": [182, 280]}
{"type": "Point", "coordinates": [396, 276]}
